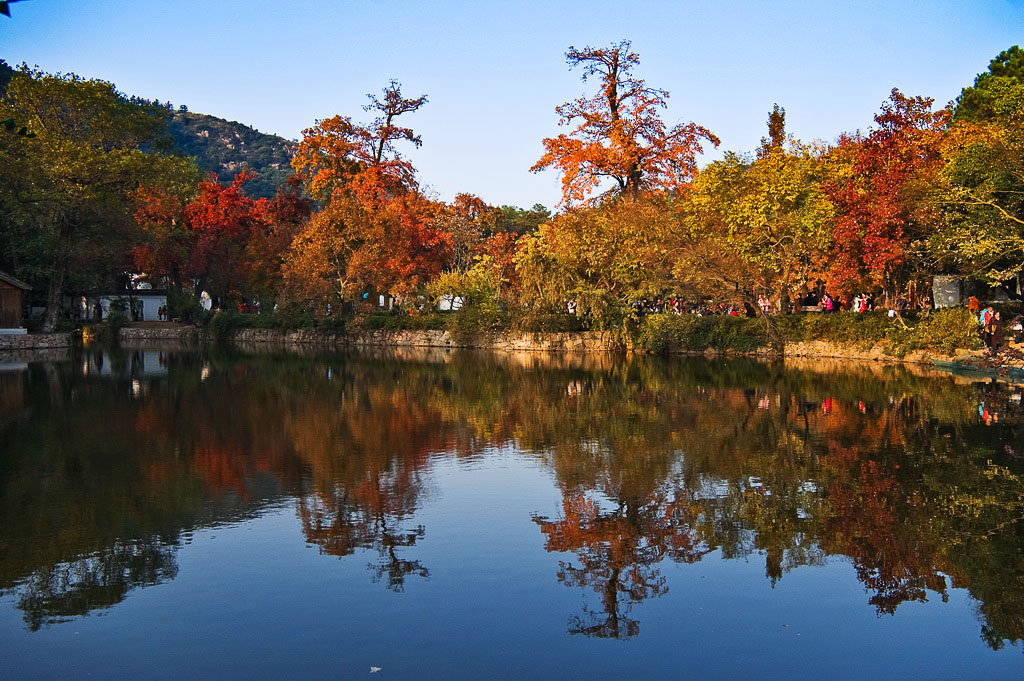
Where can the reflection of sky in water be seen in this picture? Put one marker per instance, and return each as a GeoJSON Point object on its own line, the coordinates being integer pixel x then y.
{"type": "Point", "coordinates": [252, 600]}
{"type": "Point", "coordinates": [252, 595]}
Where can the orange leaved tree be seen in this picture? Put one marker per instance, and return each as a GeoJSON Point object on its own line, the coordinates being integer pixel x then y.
{"type": "Point", "coordinates": [376, 229]}
{"type": "Point", "coordinates": [339, 155]}
{"type": "Point", "coordinates": [618, 133]}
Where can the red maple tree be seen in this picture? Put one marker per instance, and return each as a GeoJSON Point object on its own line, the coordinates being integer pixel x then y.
{"type": "Point", "coordinates": [224, 220]}
{"type": "Point", "coordinates": [878, 193]}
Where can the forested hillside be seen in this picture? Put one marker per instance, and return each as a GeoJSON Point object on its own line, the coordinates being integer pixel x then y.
{"type": "Point", "coordinates": [227, 148]}
{"type": "Point", "coordinates": [223, 147]}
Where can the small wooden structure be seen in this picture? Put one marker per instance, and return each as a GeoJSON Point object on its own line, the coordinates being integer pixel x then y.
{"type": "Point", "coordinates": [11, 292]}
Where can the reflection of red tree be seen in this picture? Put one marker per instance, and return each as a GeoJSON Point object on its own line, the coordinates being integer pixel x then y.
{"type": "Point", "coordinates": [867, 516]}
{"type": "Point", "coordinates": [369, 516]}
{"type": "Point", "coordinates": [365, 455]}
{"type": "Point", "coordinates": [617, 552]}
{"type": "Point", "coordinates": [224, 452]}
{"type": "Point", "coordinates": [870, 523]}
{"type": "Point", "coordinates": [222, 468]}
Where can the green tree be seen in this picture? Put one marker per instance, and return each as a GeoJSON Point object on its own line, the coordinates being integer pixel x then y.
{"type": "Point", "coordinates": [983, 192]}
{"type": "Point", "coordinates": [980, 101]}
{"type": "Point", "coordinates": [518, 220]}
{"type": "Point", "coordinates": [770, 213]}
{"type": "Point", "coordinates": [67, 190]}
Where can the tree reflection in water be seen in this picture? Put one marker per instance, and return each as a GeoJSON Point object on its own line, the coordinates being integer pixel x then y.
{"type": "Point", "coordinates": [100, 580]}
{"type": "Point", "coordinates": [339, 525]}
{"type": "Point", "coordinates": [916, 480]}
{"type": "Point", "coordinates": [617, 551]}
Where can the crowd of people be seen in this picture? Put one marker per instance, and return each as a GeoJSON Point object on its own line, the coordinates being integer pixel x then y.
{"type": "Point", "coordinates": [680, 306]}
{"type": "Point", "coordinates": [862, 302]}
{"type": "Point", "coordinates": [992, 328]}
{"type": "Point", "coordinates": [812, 301]}
{"type": "Point", "coordinates": [991, 325]}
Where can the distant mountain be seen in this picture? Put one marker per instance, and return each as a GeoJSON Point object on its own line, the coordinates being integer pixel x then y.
{"type": "Point", "coordinates": [225, 148]}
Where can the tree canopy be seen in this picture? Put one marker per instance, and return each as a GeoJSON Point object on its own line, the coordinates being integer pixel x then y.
{"type": "Point", "coordinates": [618, 133]}
{"type": "Point", "coordinates": [67, 188]}
{"type": "Point", "coordinates": [92, 198]}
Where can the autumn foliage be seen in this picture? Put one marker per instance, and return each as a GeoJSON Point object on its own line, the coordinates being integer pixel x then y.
{"type": "Point", "coordinates": [167, 242]}
{"type": "Point", "coordinates": [376, 230]}
{"type": "Point", "coordinates": [878, 192]}
{"type": "Point", "coordinates": [618, 134]}
{"type": "Point", "coordinates": [920, 191]}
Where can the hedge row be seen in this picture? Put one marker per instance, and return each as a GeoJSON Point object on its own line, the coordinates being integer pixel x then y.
{"type": "Point", "coordinates": [942, 330]}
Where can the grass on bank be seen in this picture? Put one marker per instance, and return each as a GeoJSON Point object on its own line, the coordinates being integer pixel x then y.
{"type": "Point", "coordinates": [944, 331]}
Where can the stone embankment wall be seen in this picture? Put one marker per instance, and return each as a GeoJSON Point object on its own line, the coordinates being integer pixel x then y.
{"type": "Point", "coordinates": [187, 335]}
{"type": "Point", "coordinates": [590, 341]}
{"type": "Point", "coordinates": [298, 337]}
{"type": "Point", "coordinates": [585, 342]}
{"type": "Point", "coordinates": [34, 341]}
{"type": "Point", "coordinates": [860, 353]}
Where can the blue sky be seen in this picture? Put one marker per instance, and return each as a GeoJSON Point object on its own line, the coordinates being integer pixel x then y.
{"type": "Point", "coordinates": [494, 71]}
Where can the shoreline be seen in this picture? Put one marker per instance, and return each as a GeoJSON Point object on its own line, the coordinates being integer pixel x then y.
{"type": "Point", "coordinates": [580, 342]}
{"type": "Point", "coordinates": [539, 342]}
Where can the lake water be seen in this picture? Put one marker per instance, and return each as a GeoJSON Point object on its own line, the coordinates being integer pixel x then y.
{"type": "Point", "coordinates": [169, 514]}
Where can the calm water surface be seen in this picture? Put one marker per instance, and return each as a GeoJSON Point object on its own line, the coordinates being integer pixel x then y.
{"type": "Point", "coordinates": [170, 514]}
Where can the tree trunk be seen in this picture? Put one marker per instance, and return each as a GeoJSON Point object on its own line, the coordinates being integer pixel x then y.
{"type": "Point", "coordinates": [54, 293]}
{"type": "Point", "coordinates": [774, 337]}
{"type": "Point", "coordinates": [176, 278]}
{"type": "Point", "coordinates": [784, 301]}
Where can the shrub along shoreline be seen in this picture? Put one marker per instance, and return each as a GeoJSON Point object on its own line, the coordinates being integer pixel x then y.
{"type": "Point", "coordinates": [942, 331]}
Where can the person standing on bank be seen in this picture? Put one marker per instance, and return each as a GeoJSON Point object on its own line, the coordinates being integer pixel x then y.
{"type": "Point", "coordinates": [987, 319]}
{"type": "Point", "coordinates": [998, 334]}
